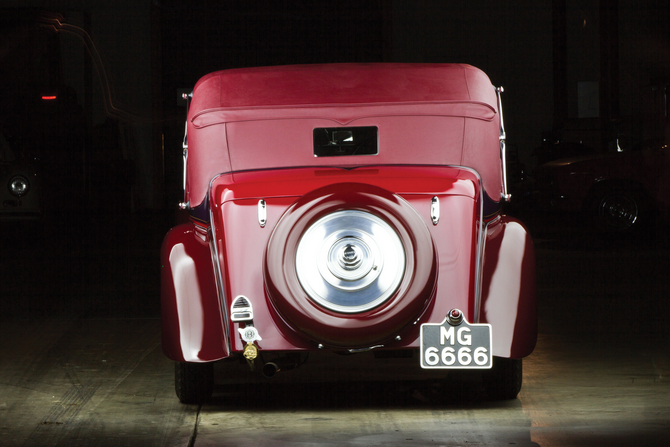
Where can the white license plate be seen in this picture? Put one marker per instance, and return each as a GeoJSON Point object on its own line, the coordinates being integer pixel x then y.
{"type": "Point", "coordinates": [456, 344]}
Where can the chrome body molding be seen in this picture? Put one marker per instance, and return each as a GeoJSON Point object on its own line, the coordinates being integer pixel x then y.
{"type": "Point", "coordinates": [219, 280]}
{"type": "Point", "coordinates": [481, 240]}
{"type": "Point", "coordinates": [369, 348]}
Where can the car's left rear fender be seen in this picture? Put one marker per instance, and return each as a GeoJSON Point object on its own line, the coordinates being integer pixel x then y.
{"type": "Point", "coordinates": [192, 321]}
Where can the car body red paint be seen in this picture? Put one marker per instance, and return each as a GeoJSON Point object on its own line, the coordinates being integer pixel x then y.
{"type": "Point", "coordinates": [255, 187]}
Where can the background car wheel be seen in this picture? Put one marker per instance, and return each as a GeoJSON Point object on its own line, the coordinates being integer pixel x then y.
{"type": "Point", "coordinates": [503, 381]}
{"type": "Point", "coordinates": [194, 382]}
{"type": "Point", "coordinates": [617, 209]}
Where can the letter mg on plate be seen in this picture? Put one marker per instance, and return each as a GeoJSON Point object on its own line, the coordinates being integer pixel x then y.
{"type": "Point", "coordinates": [462, 345]}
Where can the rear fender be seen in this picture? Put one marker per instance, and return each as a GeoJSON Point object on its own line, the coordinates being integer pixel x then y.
{"type": "Point", "coordinates": [192, 320]}
{"type": "Point", "coordinates": [508, 288]}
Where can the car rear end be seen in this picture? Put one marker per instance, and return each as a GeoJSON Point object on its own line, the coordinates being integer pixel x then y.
{"type": "Point", "coordinates": [347, 208]}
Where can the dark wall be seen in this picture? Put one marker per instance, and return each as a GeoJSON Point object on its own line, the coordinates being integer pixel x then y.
{"type": "Point", "coordinates": [200, 37]}
{"type": "Point", "coordinates": [150, 50]}
{"type": "Point", "coordinates": [510, 41]}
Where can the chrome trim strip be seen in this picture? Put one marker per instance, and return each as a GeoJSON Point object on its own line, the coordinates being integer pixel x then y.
{"type": "Point", "coordinates": [480, 252]}
{"type": "Point", "coordinates": [505, 195]}
{"type": "Point", "coordinates": [217, 274]}
{"type": "Point", "coordinates": [184, 145]}
{"type": "Point", "coordinates": [481, 239]}
{"type": "Point", "coordinates": [185, 203]}
{"type": "Point", "coordinates": [357, 350]}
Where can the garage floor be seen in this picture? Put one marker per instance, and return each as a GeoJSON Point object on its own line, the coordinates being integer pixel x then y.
{"type": "Point", "coordinates": [81, 362]}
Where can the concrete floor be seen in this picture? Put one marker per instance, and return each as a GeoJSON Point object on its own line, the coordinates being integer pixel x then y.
{"type": "Point", "coordinates": [81, 363]}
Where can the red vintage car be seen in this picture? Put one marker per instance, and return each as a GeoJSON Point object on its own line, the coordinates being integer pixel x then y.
{"type": "Point", "coordinates": [347, 208]}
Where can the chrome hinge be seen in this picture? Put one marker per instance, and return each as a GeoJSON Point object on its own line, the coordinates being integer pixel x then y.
{"type": "Point", "coordinates": [504, 195]}
{"type": "Point", "coordinates": [262, 213]}
{"type": "Point", "coordinates": [184, 145]}
{"type": "Point", "coordinates": [435, 210]}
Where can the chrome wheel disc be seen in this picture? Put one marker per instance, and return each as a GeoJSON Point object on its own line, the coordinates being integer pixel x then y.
{"type": "Point", "coordinates": [350, 261]}
{"type": "Point", "coordinates": [618, 211]}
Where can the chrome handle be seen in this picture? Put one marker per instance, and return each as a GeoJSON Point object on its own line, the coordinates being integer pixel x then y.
{"type": "Point", "coordinates": [262, 213]}
{"type": "Point", "coordinates": [435, 210]}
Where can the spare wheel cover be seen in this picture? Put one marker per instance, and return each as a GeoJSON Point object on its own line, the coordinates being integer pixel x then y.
{"type": "Point", "coordinates": [349, 265]}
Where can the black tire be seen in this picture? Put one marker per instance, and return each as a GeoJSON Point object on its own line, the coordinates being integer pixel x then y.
{"type": "Point", "coordinates": [503, 381]}
{"type": "Point", "coordinates": [194, 382]}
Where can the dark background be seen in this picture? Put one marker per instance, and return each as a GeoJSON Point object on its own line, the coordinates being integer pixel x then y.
{"type": "Point", "coordinates": [121, 66]}
{"type": "Point", "coordinates": [110, 145]}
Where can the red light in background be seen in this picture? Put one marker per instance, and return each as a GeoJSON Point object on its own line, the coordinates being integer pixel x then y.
{"type": "Point", "coordinates": [49, 97]}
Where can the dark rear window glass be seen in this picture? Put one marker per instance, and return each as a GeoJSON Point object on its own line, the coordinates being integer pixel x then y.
{"type": "Point", "coordinates": [344, 141]}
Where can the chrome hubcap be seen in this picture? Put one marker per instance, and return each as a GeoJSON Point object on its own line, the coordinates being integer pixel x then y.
{"type": "Point", "coordinates": [350, 261]}
{"type": "Point", "coordinates": [619, 211]}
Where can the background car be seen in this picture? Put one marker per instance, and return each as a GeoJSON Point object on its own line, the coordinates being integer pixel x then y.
{"type": "Point", "coordinates": [619, 191]}
{"type": "Point", "coordinates": [20, 191]}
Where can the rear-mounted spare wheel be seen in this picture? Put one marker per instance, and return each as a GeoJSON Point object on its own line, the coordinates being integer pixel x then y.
{"type": "Point", "coordinates": [350, 265]}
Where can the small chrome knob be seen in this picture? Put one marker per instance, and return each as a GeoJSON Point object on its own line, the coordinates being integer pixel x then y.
{"type": "Point", "coordinates": [349, 258]}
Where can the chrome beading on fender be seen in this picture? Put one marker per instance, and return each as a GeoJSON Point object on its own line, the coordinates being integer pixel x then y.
{"type": "Point", "coordinates": [350, 261]}
{"type": "Point", "coordinates": [481, 241]}
{"type": "Point", "coordinates": [217, 274]}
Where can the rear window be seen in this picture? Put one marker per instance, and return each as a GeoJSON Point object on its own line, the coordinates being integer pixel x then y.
{"type": "Point", "coordinates": [345, 141]}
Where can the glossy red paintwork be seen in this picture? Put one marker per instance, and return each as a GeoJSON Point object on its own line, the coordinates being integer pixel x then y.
{"type": "Point", "coordinates": [250, 139]}
{"type": "Point", "coordinates": [262, 118]}
{"type": "Point", "coordinates": [192, 319]}
{"type": "Point", "coordinates": [243, 242]}
{"type": "Point", "coordinates": [373, 327]}
{"type": "Point", "coordinates": [508, 288]}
